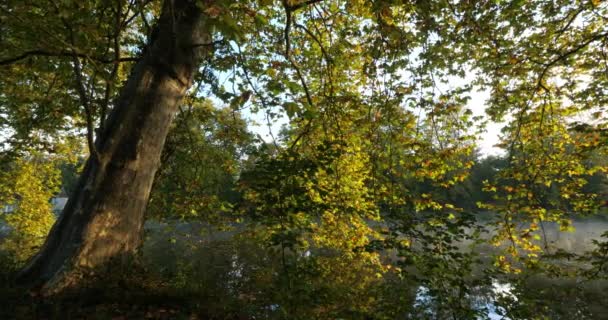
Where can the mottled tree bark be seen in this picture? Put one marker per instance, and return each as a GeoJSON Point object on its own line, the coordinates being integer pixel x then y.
{"type": "Point", "coordinates": [104, 217]}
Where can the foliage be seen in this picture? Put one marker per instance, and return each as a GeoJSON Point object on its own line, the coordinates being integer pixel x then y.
{"type": "Point", "coordinates": [186, 186]}
{"type": "Point", "coordinates": [549, 167]}
{"type": "Point", "coordinates": [27, 185]}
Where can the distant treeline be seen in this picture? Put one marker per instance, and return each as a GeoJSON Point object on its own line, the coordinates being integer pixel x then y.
{"type": "Point", "coordinates": [468, 194]}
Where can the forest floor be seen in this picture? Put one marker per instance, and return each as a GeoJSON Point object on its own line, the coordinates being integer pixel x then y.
{"type": "Point", "coordinates": [116, 304]}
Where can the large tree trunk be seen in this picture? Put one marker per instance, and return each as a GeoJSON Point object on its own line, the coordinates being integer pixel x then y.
{"type": "Point", "coordinates": [104, 217]}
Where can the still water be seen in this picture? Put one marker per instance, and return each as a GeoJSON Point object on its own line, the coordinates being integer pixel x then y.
{"type": "Point", "coordinates": [533, 296]}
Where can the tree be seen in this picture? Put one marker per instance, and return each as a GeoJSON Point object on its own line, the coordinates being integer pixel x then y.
{"type": "Point", "coordinates": [103, 218]}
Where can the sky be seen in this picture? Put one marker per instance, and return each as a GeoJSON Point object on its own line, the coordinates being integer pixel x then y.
{"type": "Point", "coordinates": [486, 142]}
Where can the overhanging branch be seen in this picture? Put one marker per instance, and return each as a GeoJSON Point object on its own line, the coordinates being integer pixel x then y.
{"type": "Point", "coordinates": [66, 54]}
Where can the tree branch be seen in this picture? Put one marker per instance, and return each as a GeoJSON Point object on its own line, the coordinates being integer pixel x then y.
{"type": "Point", "coordinates": [300, 5]}
{"type": "Point", "coordinates": [81, 89]}
{"type": "Point", "coordinates": [323, 51]}
{"type": "Point", "coordinates": [548, 65]}
{"type": "Point", "coordinates": [288, 11]}
{"type": "Point", "coordinates": [66, 54]}
{"type": "Point", "coordinates": [110, 81]}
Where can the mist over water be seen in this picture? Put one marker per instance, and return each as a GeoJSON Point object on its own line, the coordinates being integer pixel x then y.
{"type": "Point", "coordinates": [560, 297]}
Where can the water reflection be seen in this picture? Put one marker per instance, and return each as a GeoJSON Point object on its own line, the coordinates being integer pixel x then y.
{"type": "Point", "coordinates": [485, 304]}
{"type": "Point", "coordinates": [217, 262]}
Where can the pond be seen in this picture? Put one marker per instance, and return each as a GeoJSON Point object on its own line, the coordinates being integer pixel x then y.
{"type": "Point", "coordinates": [221, 262]}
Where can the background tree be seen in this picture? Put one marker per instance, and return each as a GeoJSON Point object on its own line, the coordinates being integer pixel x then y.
{"type": "Point", "coordinates": [28, 183]}
{"type": "Point", "coordinates": [201, 162]}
